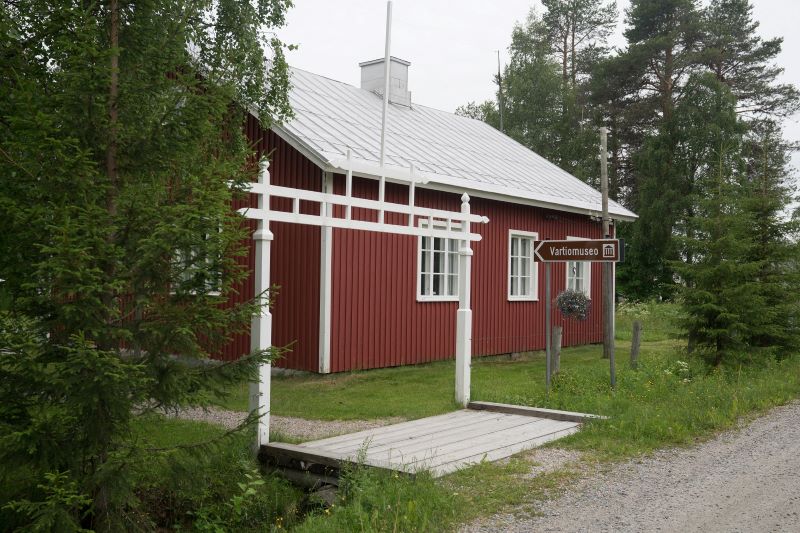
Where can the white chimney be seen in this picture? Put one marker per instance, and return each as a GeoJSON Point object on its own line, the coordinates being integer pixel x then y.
{"type": "Point", "coordinates": [372, 79]}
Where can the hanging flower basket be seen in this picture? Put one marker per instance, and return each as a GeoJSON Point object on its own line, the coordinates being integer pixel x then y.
{"type": "Point", "coordinates": [574, 304]}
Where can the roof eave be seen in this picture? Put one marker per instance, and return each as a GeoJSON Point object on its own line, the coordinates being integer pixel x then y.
{"type": "Point", "coordinates": [403, 175]}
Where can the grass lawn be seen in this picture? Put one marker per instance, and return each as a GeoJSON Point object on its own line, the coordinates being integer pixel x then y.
{"type": "Point", "coordinates": [672, 399]}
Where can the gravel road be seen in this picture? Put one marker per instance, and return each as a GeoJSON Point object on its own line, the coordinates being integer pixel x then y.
{"type": "Point", "coordinates": [744, 480]}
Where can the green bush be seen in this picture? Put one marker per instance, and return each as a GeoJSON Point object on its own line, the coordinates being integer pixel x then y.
{"type": "Point", "coordinates": [373, 500]}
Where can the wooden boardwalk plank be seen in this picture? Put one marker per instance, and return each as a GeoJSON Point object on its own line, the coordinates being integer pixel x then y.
{"type": "Point", "coordinates": [501, 453]}
{"type": "Point", "coordinates": [440, 444]}
{"type": "Point", "coordinates": [427, 433]}
{"type": "Point", "coordinates": [539, 412]}
{"type": "Point", "coordinates": [401, 427]}
{"type": "Point", "coordinates": [455, 435]}
{"type": "Point", "coordinates": [434, 456]}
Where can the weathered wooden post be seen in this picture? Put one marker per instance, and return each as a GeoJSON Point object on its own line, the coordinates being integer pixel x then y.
{"type": "Point", "coordinates": [556, 349]}
{"type": "Point", "coordinates": [608, 268]}
{"type": "Point", "coordinates": [547, 325]}
{"type": "Point", "coordinates": [635, 342]}
{"type": "Point", "coordinates": [261, 328]}
{"type": "Point", "coordinates": [464, 315]}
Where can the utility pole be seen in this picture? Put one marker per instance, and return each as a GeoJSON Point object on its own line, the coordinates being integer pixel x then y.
{"type": "Point", "coordinates": [500, 90]}
{"type": "Point", "coordinates": [608, 272]}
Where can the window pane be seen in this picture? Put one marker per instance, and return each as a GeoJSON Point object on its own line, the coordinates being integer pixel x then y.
{"type": "Point", "coordinates": [452, 283]}
{"type": "Point", "coordinates": [524, 287]}
{"type": "Point", "coordinates": [514, 267]}
{"type": "Point", "coordinates": [425, 286]}
{"type": "Point", "coordinates": [438, 262]}
{"type": "Point", "coordinates": [514, 246]}
{"type": "Point", "coordinates": [426, 243]}
{"type": "Point", "coordinates": [425, 261]}
{"type": "Point", "coordinates": [438, 284]}
{"type": "Point", "coordinates": [453, 245]}
{"type": "Point", "coordinates": [514, 286]}
{"type": "Point", "coordinates": [526, 248]}
{"type": "Point", "coordinates": [525, 268]}
{"type": "Point", "coordinates": [438, 244]}
{"type": "Point", "coordinates": [453, 264]}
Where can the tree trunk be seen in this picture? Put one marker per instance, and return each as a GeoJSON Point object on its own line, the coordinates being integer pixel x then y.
{"type": "Point", "coordinates": [572, 49]}
{"type": "Point", "coordinates": [102, 511]}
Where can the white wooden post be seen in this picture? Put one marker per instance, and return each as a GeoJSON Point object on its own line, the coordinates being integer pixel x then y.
{"type": "Point", "coordinates": [261, 329]}
{"type": "Point", "coordinates": [464, 316]}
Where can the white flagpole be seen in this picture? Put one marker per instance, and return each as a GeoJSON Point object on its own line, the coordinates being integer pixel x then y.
{"type": "Point", "coordinates": [386, 79]}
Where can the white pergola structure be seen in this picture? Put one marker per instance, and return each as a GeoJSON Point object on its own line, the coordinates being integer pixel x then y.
{"type": "Point", "coordinates": [441, 224]}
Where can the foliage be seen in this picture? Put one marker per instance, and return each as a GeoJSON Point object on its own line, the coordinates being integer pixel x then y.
{"type": "Point", "coordinates": [372, 500]}
{"type": "Point", "coordinates": [58, 509]}
{"type": "Point", "coordinates": [660, 320]}
{"type": "Point", "coordinates": [574, 304]}
{"type": "Point", "coordinates": [563, 82]}
{"type": "Point", "coordinates": [737, 268]}
{"type": "Point", "coordinates": [214, 486]}
{"type": "Point", "coordinates": [122, 148]}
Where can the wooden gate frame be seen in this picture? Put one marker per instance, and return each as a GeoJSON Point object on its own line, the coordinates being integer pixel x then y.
{"type": "Point", "coordinates": [261, 327]}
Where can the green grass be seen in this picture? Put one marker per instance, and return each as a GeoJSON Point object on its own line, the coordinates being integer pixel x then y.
{"type": "Point", "coordinates": [671, 400]}
{"type": "Point", "coordinates": [197, 477]}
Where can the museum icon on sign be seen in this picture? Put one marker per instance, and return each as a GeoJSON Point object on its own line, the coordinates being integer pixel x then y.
{"type": "Point", "coordinates": [608, 250]}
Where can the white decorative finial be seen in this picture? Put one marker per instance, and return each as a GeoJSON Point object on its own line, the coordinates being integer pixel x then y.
{"type": "Point", "coordinates": [263, 175]}
{"type": "Point", "coordinates": [465, 198]}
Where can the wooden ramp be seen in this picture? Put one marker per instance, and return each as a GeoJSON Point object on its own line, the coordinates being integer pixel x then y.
{"type": "Point", "coordinates": [440, 444]}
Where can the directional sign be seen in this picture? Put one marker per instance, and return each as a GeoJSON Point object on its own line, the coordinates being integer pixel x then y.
{"type": "Point", "coordinates": [598, 250]}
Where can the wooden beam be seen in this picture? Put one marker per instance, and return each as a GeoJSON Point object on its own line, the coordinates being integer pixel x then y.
{"type": "Point", "coordinates": [539, 412]}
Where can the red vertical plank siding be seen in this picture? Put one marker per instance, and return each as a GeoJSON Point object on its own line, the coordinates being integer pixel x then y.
{"type": "Point", "coordinates": [295, 258]}
{"type": "Point", "coordinates": [376, 320]}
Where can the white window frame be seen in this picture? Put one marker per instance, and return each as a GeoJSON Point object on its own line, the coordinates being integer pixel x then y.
{"type": "Point", "coordinates": [439, 224]}
{"type": "Point", "coordinates": [587, 266]}
{"type": "Point", "coordinates": [534, 295]}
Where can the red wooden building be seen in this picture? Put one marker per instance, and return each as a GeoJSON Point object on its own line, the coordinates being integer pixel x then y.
{"type": "Point", "coordinates": [356, 300]}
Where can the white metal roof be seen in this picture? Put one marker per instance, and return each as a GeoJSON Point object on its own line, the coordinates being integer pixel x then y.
{"type": "Point", "coordinates": [446, 150]}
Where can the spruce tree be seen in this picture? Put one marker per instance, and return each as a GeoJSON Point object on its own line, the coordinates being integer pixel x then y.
{"type": "Point", "coordinates": [121, 148]}
{"type": "Point", "coordinates": [717, 282]}
{"type": "Point", "coordinates": [774, 235]}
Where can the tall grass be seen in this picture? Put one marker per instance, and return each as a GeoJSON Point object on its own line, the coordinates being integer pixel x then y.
{"type": "Point", "coordinates": [660, 320]}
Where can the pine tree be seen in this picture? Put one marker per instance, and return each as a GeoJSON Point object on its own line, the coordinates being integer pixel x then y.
{"type": "Point", "coordinates": [663, 39]}
{"type": "Point", "coordinates": [738, 57]}
{"type": "Point", "coordinates": [547, 82]}
{"type": "Point", "coordinates": [121, 148]}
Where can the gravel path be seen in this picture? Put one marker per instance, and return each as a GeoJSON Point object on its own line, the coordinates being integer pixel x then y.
{"type": "Point", "coordinates": [298, 428]}
{"type": "Point", "coordinates": [744, 480]}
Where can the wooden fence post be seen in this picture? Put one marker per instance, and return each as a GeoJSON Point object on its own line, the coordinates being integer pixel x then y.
{"type": "Point", "coordinates": [635, 342]}
{"type": "Point", "coordinates": [556, 349]}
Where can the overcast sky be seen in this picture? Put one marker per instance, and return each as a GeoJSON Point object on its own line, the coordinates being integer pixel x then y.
{"type": "Point", "coordinates": [452, 45]}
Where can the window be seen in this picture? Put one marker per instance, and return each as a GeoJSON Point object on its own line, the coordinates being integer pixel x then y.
{"type": "Point", "coordinates": [199, 268]}
{"type": "Point", "coordinates": [438, 267]}
{"type": "Point", "coordinates": [522, 269]}
{"type": "Point", "coordinates": [579, 274]}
